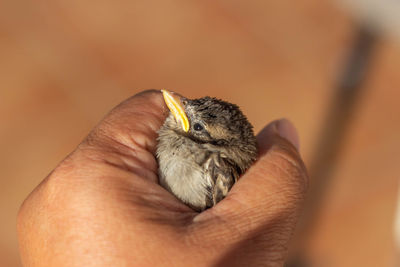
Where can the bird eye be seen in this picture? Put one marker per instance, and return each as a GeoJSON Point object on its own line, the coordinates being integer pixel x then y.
{"type": "Point", "coordinates": [197, 127]}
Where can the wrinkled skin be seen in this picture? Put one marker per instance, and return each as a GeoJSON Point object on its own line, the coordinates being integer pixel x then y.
{"type": "Point", "coordinates": [102, 205]}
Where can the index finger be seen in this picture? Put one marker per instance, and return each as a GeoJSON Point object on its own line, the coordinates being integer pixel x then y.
{"type": "Point", "coordinates": [135, 121]}
{"type": "Point", "coordinates": [131, 129]}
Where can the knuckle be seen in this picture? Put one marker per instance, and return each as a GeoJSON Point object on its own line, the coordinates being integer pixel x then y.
{"type": "Point", "coordinates": [33, 209]}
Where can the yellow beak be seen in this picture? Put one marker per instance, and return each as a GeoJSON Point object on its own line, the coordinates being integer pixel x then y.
{"type": "Point", "coordinates": [176, 108]}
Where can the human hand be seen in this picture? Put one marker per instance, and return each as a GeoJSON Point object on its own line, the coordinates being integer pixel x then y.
{"type": "Point", "coordinates": [103, 206]}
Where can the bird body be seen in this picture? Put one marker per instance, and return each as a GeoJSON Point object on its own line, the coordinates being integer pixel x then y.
{"type": "Point", "coordinates": [200, 159]}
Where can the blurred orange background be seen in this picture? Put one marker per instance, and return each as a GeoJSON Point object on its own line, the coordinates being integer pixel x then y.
{"type": "Point", "coordinates": [65, 64]}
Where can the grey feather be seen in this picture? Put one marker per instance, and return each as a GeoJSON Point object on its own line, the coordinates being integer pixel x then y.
{"type": "Point", "coordinates": [200, 168]}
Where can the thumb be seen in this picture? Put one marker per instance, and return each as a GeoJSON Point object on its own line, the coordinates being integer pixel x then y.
{"type": "Point", "coordinates": [262, 208]}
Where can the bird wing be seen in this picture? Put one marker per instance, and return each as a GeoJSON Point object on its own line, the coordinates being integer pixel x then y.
{"type": "Point", "coordinates": [222, 173]}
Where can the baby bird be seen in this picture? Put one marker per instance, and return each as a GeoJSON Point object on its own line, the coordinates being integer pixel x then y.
{"type": "Point", "coordinates": [203, 147]}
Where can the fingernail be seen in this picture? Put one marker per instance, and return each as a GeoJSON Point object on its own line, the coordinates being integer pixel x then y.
{"type": "Point", "coordinates": [286, 129]}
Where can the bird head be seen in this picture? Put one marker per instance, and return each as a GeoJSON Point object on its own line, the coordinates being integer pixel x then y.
{"type": "Point", "coordinates": [209, 120]}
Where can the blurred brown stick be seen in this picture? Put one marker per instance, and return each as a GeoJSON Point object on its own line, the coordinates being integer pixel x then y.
{"type": "Point", "coordinates": [349, 89]}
